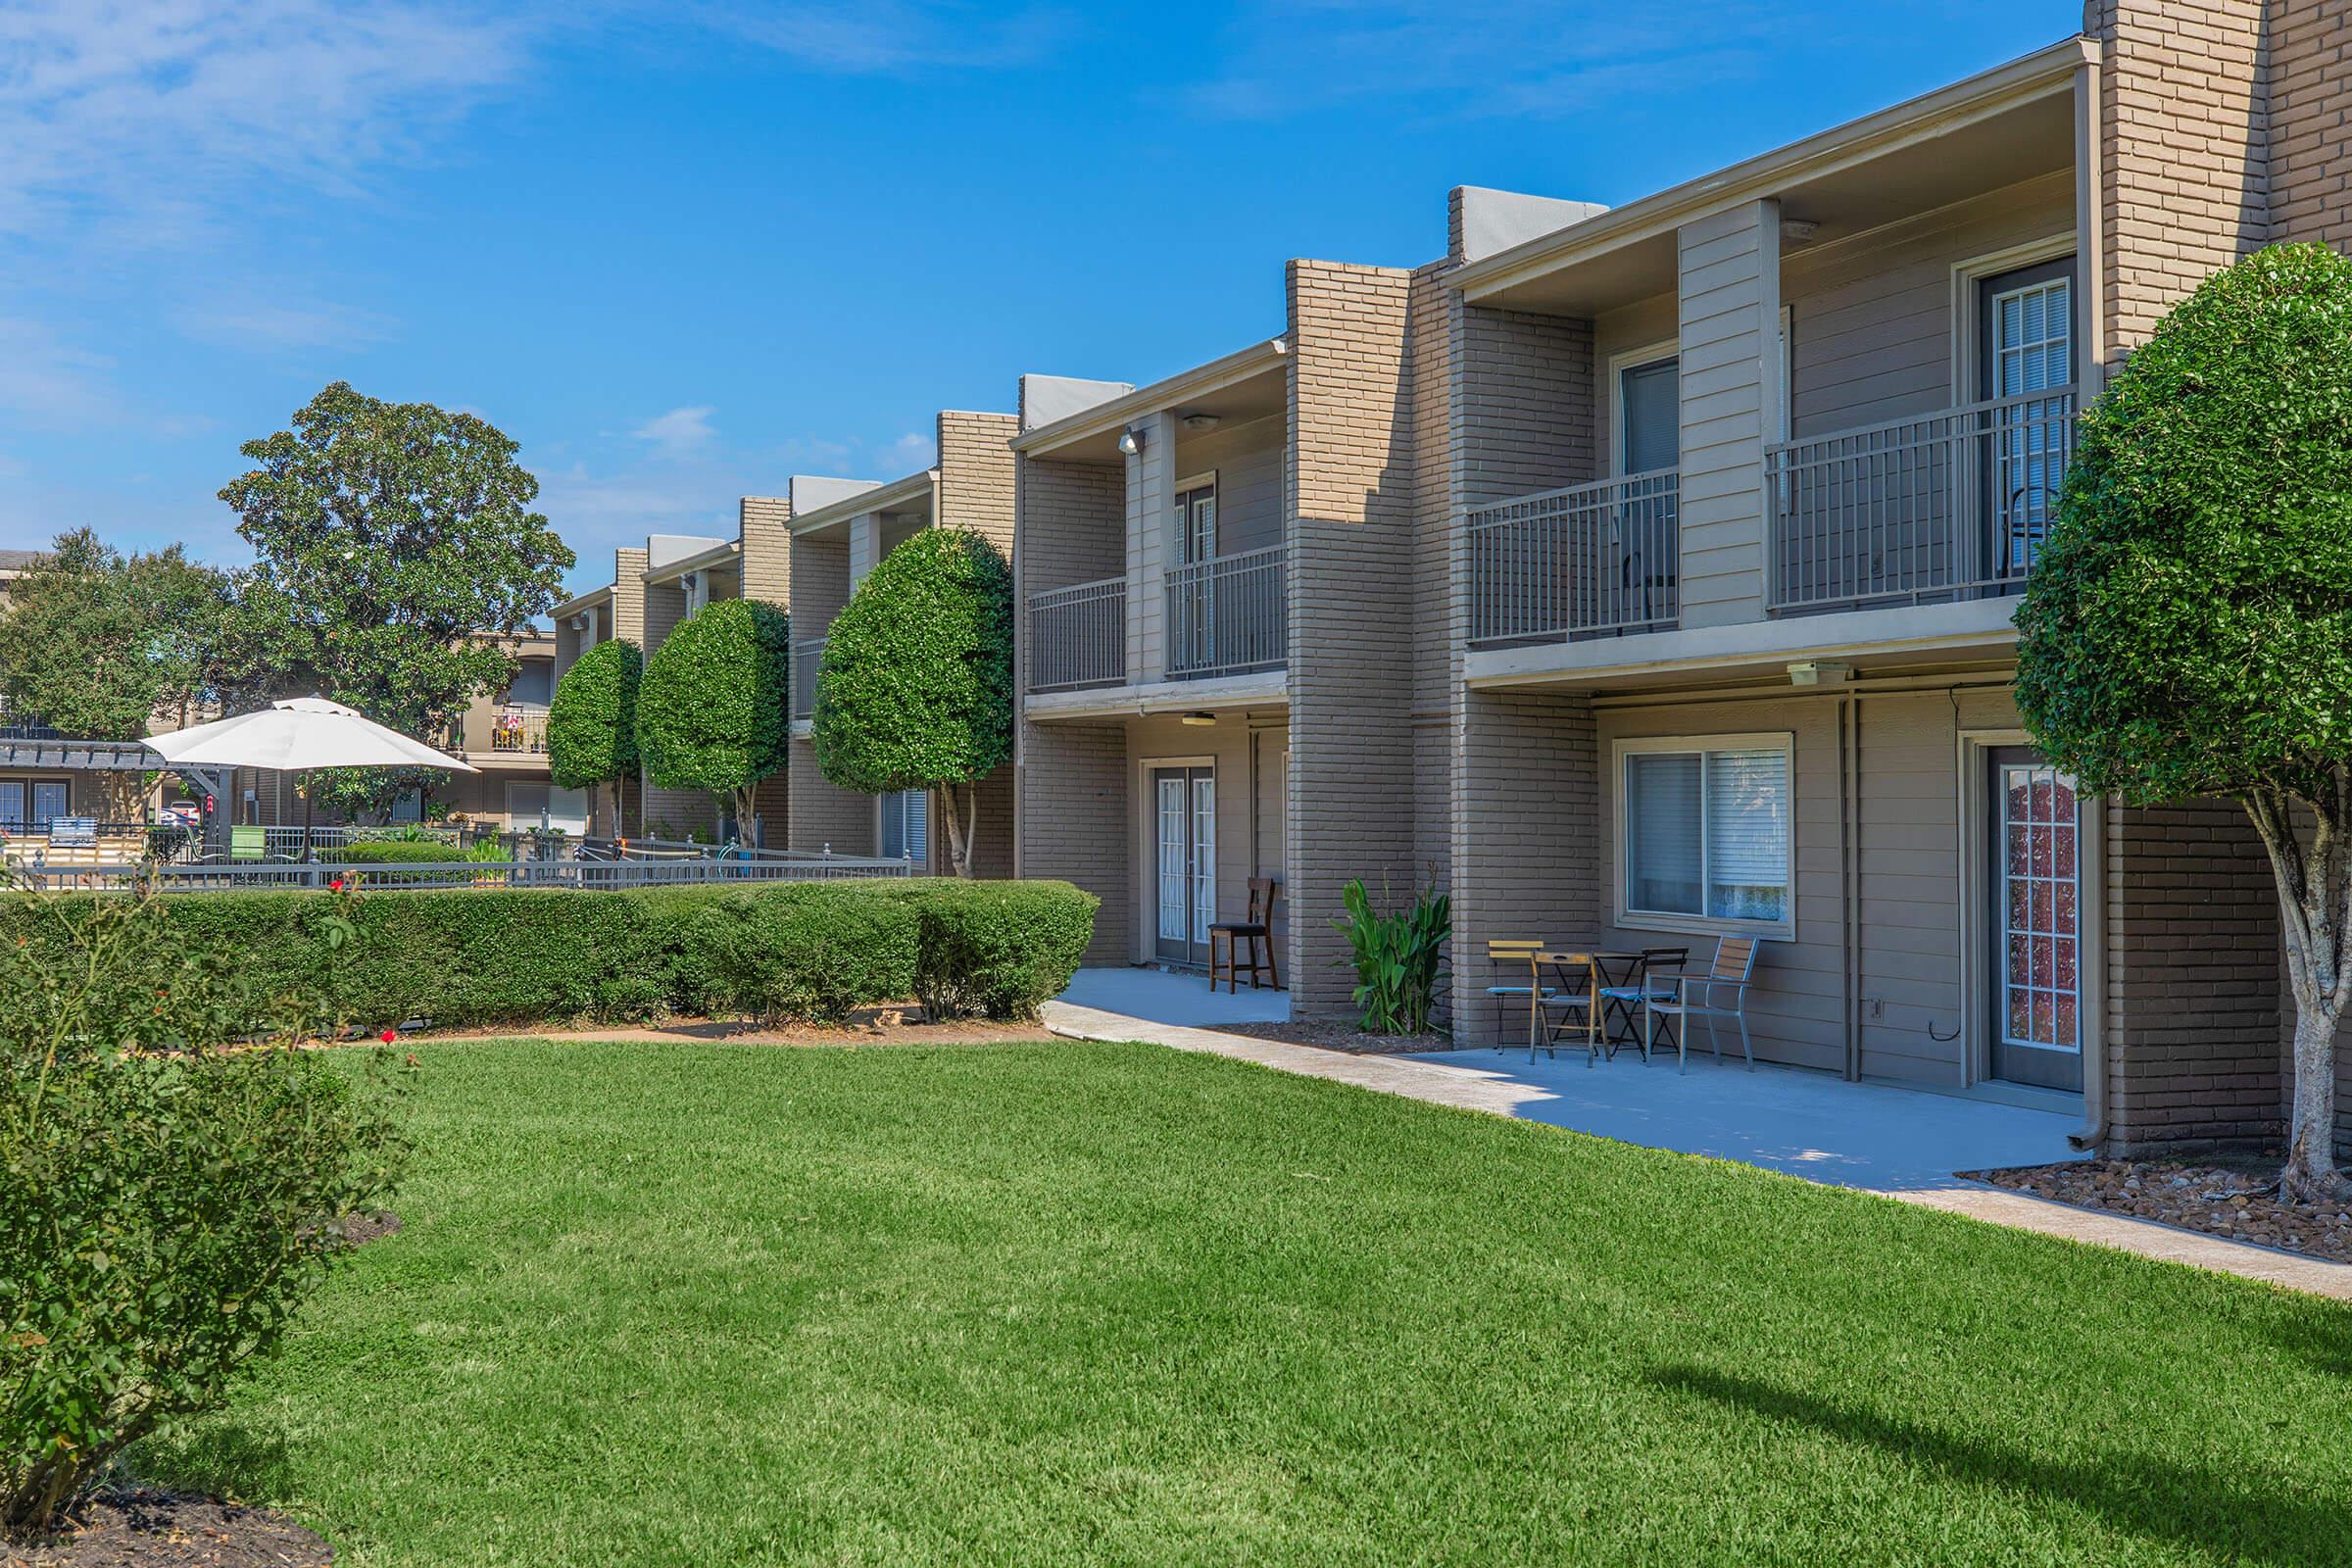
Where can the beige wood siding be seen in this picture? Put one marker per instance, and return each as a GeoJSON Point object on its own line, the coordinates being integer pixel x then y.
{"type": "Point", "coordinates": [1247, 460]}
{"type": "Point", "coordinates": [1729, 289]}
{"type": "Point", "coordinates": [1626, 330]}
{"type": "Point", "coordinates": [1871, 320]}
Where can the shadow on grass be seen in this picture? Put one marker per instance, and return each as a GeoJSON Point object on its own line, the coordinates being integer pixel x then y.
{"type": "Point", "coordinates": [2321, 1341]}
{"type": "Point", "coordinates": [222, 1458]}
{"type": "Point", "coordinates": [2214, 1511]}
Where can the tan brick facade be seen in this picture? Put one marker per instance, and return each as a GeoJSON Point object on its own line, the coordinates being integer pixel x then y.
{"type": "Point", "coordinates": [2194, 994]}
{"type": "Point", "coordinates": [1351, 518]}
{"type": "Point", "coordinates": [1076, 823]}
{"type": "Point", "coordinates": [2311, 122]}
{"type": "Point", "coordinates": [765, 533]}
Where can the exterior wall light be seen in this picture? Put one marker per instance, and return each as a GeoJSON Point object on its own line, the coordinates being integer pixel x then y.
{"type": "Point", "coordinates": [1130, 440]}
{"type": "Point", "coordinates": [1198, 719]}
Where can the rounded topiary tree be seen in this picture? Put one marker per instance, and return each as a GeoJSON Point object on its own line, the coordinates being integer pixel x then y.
{"type": "Point", "coordinates": [714, 708]}
{"type": "Point", "coordinates": [592, 722]}
{"type": "Point", "coordinates": [2187, 629]}
{"type": "Point", "coordinates": [915, 688]}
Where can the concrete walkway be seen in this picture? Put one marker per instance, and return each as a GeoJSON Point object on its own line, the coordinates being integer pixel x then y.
{"type": "Point", "coordinates": [1900, 1143]}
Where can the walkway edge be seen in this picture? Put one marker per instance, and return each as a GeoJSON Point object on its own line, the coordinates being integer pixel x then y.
{"type": "Point", "coordinates": [1469, 1089]}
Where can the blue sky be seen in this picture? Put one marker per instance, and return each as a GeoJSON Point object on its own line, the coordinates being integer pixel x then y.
{"type": "Point", "coordinates": [680, 251]}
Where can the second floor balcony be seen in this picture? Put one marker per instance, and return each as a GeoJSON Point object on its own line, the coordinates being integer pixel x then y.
{"type": "Point", "coordinates": [1226, 615]}
{"type": "Point", "coordinates": [807, 659]}
{"type": "Point", "coordinates": [1949, 504]}
{"type": "Point", "coordinates": [1078, 636]}
{"type": "Point", "coordinates": [1588, 561]}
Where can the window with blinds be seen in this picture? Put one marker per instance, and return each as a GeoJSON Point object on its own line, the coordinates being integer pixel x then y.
{"type": "Point", "coordinates": [1707, 832]}
{"type": "Point", "coordinates": [906, 826]}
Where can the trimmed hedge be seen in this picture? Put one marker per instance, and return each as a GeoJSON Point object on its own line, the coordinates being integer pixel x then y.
{"type": "Point", "coordinates": [462, 958]}
{"type": "Point", "coordinates": [803, 953]}
{"type": "Point", "coordinates": [395, 852]}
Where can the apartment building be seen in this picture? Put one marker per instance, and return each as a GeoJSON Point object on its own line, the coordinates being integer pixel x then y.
{"type": "Point", "coordinates": [841, 529]}
{"type": "Point", "coordinates": [1646, 576]}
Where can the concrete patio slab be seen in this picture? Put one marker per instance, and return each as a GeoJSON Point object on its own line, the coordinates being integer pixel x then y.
{"type": "Point", "coordinates": [1177, 999]}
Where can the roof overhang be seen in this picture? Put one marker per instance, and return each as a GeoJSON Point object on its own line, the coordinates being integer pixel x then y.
{"type": "Point", "coordinates": [898, 495]}
{"type": "Point", "coordinates": [583, 604]}
{"type": "Point", "coordinates": [719, 555]}
{"type": "Point", "coordinates": [1628, 252]}
{"type": "Point", "coordinates": [1101, 423]}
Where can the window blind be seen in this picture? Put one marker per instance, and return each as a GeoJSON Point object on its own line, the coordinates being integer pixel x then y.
{"type": "Point", "coordinates": [1747, 835]}
{"type": "Point", "coordinates": [1661, 814]}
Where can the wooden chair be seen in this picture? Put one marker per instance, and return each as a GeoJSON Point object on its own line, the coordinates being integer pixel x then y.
{"type": "Point", "coordinates": [1721, 992]}
{"type": "Point", "coordinates": [1258, 930]}
{"type": "Point", "coordinates": [1653, 980]}
{"type": "Point", "coordinates": [1513, 958]}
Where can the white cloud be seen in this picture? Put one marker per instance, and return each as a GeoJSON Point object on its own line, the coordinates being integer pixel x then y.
{"type": "Point", "coordinates": [877, 36]}
{"type": "Point", "coordinates": [910, 451]}
{"type": "Point", "coordinates": [265, 324]}
{"type": "Point", "coordinates": [1482, 57]}
{"type": "Point", "coordinates": [679, 433]}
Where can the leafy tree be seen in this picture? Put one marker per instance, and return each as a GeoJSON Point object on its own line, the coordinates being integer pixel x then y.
{"type": "Point", "coordinates": [915, 690]}
{"type": "Point", "coordinates": [2187, 629]}
{"type": "Point", "coordinates": [592, 722]}
{"type": "Point", "coordinates": [713, 709]}
{"type": "Point", "coordinates": [398, 550]}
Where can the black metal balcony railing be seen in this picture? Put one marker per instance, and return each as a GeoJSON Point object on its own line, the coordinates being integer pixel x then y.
{"type": "Point", "coordinates": [1078, 636]}
{"type": "Point", "coordinates": [1951, 505]}
{"type": "Point", "coordinates": [1592, 559]}
{"type": "Point", "coordinates": [1226, 615]}
{"type": "Point", "coordinates": [807, 659]}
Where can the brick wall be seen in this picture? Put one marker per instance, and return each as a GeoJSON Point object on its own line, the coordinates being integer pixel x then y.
{"type": "Point", "coordinates": [763, 530]}
{"type": "Point", "coordinates": [2193, 980]}
{"type": "Point", "coordinates": [628, 596]}
{"type": "Point", "coordinates": [2311, 122]}
{"type": "Point", "coordinates": [2184, 150]}
{"type": "Point", "coordinates": [1429, 347]}
{"type": "Point", "coordinates": [820, 583]}
{"type": "Point", "coordinates": [1350, 525]}
{"type": "Point", "coordinates": [825, 814]}
{"type": "Point", "coordinates": [1527, 796]}
{"type": "Point", "coordinates": [1074, 825]}
{"type": "Point", "coordinates": [976, 473]}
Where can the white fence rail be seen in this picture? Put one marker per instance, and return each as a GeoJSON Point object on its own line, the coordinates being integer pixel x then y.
{"type": "Point", "coordinates": [1590, 559]}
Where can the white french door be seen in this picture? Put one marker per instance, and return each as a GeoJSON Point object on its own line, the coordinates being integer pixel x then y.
{"type": "Point", "coordinates": [2037, 923]}
{"type": "Point", "coordinates": [2028, 330]}
{"type": "Point", "coordinates": [1184, 860]}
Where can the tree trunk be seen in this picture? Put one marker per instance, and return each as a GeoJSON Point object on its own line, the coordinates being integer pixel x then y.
{"type": "Point", "coordinates": [961, 832]}
{"type": "Point", "coordinates": [2315, 908]}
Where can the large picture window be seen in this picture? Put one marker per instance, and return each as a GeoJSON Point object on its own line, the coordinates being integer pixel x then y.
{"type": "Point", "coordinates": [1704, 829]}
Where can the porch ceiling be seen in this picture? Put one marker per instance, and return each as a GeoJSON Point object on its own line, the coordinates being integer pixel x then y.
{"type": "Point", "coordinates": [1904, 169]}
{"type": "Point", "coordinates": [1251, 384]}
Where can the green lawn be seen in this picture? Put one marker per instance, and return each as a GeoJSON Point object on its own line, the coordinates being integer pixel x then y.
{"type": "Point", "coordinates": [668, 1304]}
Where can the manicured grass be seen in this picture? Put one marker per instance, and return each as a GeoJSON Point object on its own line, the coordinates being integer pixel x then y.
{"type": "Point", "coordinates": [1109, 1304]}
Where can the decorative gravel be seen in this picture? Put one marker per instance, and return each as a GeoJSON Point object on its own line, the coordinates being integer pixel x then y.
{"type": "Point", "coordinates": [2239, 1203]}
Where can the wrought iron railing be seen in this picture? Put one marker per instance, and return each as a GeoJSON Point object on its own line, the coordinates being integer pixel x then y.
{"type": "Point", "coordinates": [1226, 615]}
{"type": "Point", "coordinates": [1592, 559]}
{"type": "Point", "coordinates": [1951, 505]}
{"type": "Point", "coordinates": [807, 659]}
{"type": "Point", "coordinates": [1078, 636]}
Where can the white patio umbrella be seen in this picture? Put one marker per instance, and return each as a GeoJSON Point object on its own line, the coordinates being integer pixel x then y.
{"type": "Point", "coordinates": [295, 736]}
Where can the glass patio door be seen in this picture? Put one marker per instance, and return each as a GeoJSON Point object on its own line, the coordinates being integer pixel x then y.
{"type": "Point", "coordinates": [1184, 858]}
{"type": "Point", "coordinates": [2036, 924]}
{"type": "Point", "coordinates": [2026, 325]}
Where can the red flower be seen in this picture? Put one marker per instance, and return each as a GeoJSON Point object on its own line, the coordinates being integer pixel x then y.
{"type": "Point", "coordinates": [391, 1035]}
{"type": "Point", "coordinates": [336, 884]}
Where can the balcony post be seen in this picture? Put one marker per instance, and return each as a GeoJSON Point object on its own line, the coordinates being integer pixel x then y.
{"type": "Point", "coordinates": [1151, 500]}
{"type": "Point", "coordinates": [1729, 294]}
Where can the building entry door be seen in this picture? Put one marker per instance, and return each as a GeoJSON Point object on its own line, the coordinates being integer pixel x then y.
{"type": "Point", "coordinates": [2037, 915]}
{"type": "Point", "coordinates": [1184, 804]}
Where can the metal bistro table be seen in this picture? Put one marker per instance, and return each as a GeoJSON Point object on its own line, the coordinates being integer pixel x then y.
{"type": "Point", "coordinates": [1597, 965]}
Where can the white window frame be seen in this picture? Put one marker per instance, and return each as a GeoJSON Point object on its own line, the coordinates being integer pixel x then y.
{"type": "Point", "coordinates": [1633, 360]}
{"type": "Point", "coordinates": [1633, 919]}
{"type": "Point", "coordinates": [1966, 273]}
{"type": "Point", "coordinates": [1180, 525]}
{"type": "Point", "coordinates": [883, 803]}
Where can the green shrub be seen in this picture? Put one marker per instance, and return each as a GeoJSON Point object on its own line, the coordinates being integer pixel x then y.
{"type": "Point", "coordinates": [1396, 958]}
{"type": "Point", "coordinates": [915, 689]}
{"type": "Point", "coordinates": [396, 852]}
{"type": "Point", "coordinates": [803, 951]}
{"type": "Point", "coordinates": [995, 950]}
{"type": "Point", "coordinates": [165, 1205]}
{"type": "Point", "coordinates": [713, 709]}
{"type": "Point", "coordinates": [486, 957]}
{"type": "Point", "coordinates": [592, 721]}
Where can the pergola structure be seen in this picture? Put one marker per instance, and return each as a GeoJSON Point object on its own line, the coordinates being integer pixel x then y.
{"type": "Point", "coordinates": [56, 753]}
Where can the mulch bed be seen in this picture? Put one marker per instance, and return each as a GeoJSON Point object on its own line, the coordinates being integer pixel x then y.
{"type": "Point", "coordinates": [142, 1527]}
{"type": "Point", "coordinates": [1332, 1035]}
{"type": "Point", "coordinates": [2239, 1203]}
